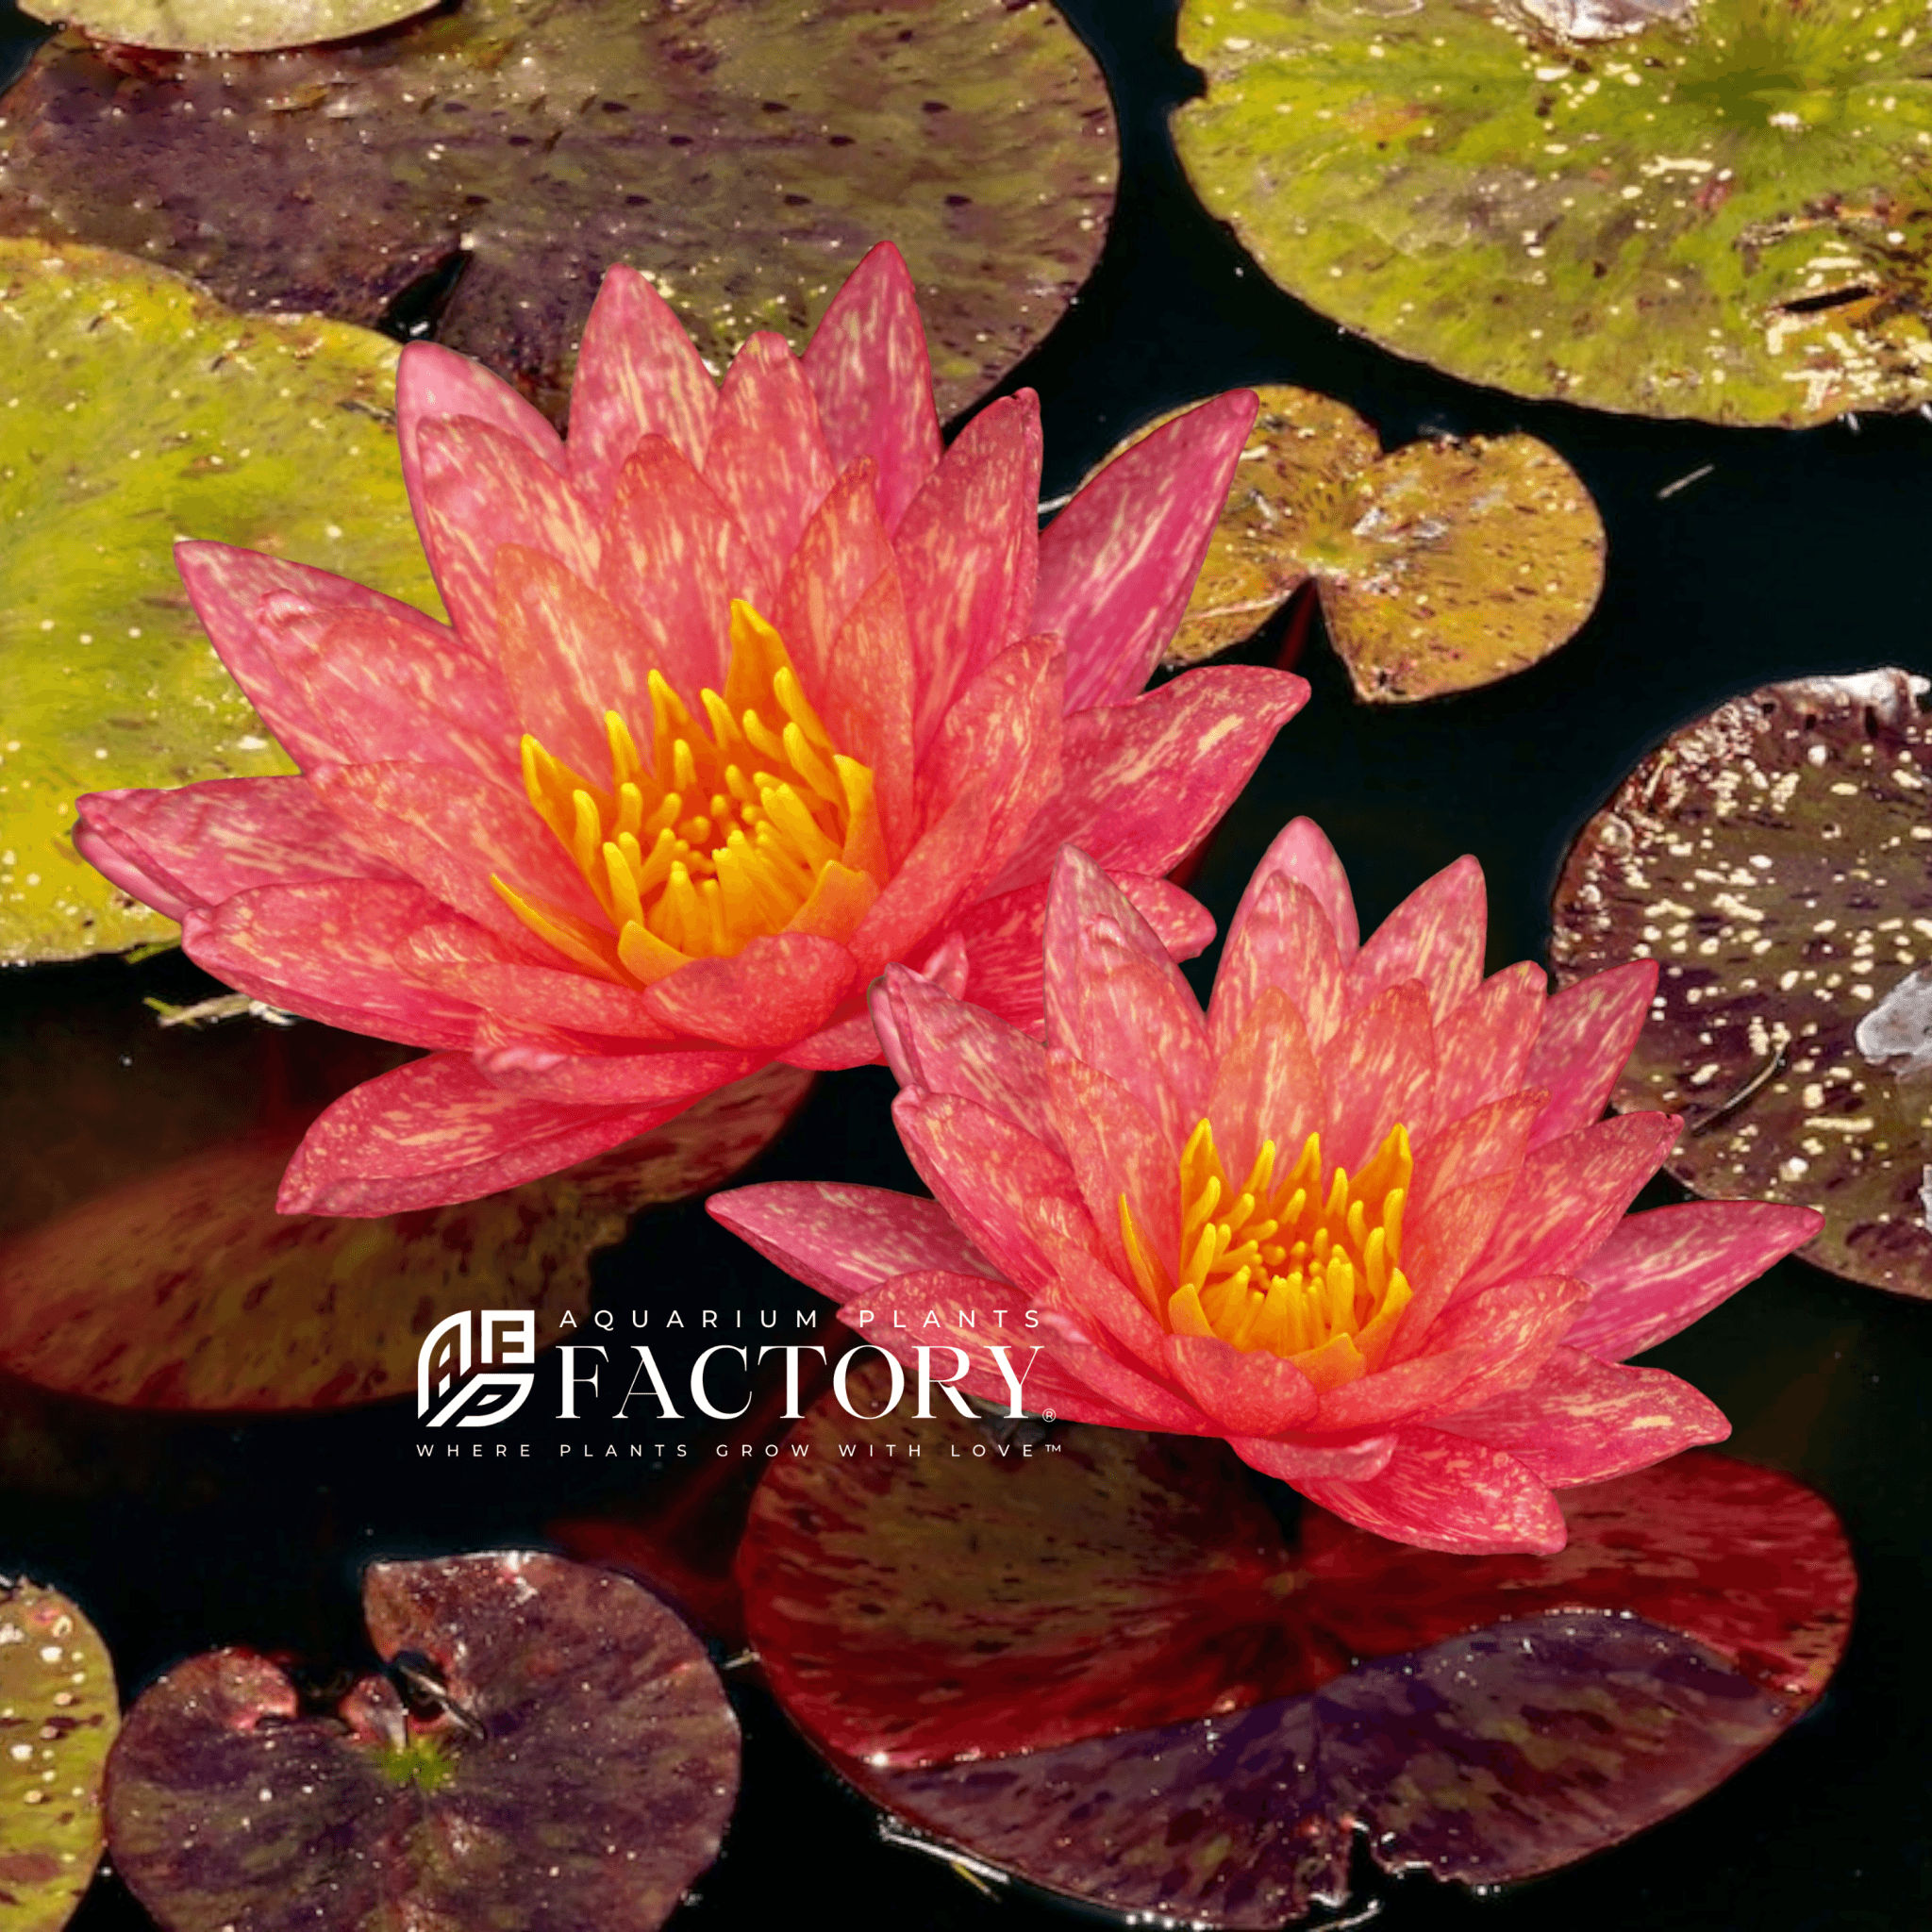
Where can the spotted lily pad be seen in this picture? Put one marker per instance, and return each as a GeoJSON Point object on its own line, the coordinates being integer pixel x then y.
{"type": "Point", "coordinates": [1775, 858]}
{"type": "Point", "coordinates": [57, 1717]}
{"type": "Point", "coordinates": [1101, 1667]}
{"type": "Point", "coordinates": [1722, 211]}
{"type": "Point", "coordinates": [1442, 566]}
{"type": "Point", "coordinates": [138, 410]}
{"type": "Point", "coordinates": [744, 155]}
{"type": "Point", "coordinates": [225, 25]}
{"type": "Point", "coordinates": [550, 1750]}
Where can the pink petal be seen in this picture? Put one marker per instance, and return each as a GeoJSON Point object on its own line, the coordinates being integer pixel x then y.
{"type": "Point", "coordinates": [1587, 1033]}
{"type": "Point", "coordinates": [1282, 938]}
{"type": "Point", "coordinates": [1445, 1492]}
{"type": "Point", "coordinates": [1435, 936]}
{"type": "Point", "coordinates": [1115, 1149]}
{"type": "Point", "coordinates": [778, 990]}
{"type": "Point", "coordinates": [1087, 1287]}
{"type": "Point", "coordinates": [435, 1132]}
{"type": "Point", "coordinates": [1493, 1139]}
{"type": "Point", "coordinates": [482, 488]}
{"type": "Point", "coordinates": [454, 956]}
{"type": "Point", "coordinates": [845, 1241]}
{"type": "Point", "coordinates": [432, 381]}
{"type": "Point", "coordinates": [1295, 1463]}
{"type": "Point", "coordinates": [930, 888]}
{"type": "Point", "coordinates": [1257, 1395]}
{"type": "Point", "coordinates": [1483, 1046]}
{"type": "Point", "coordinates": [202, 843]}
{"type": "Point", "coordinates": [328, 951]}
{"type": "Point", "coordinates": [767, 457]}
{"type": "Point", "coordinates": [1659, 1271]}
{"type": "Point", "coordinates": [867, 364]}
{"type": "Point", "coordinates": [949, 1047]}
{"type": "Point", "coordinates": [1266, 1088]}
{"type": "Point", "coordinates": [638, 375]}
{"type": "Point", "coordinates": [1300, 852]}
{"type": "Point", "coordinates": [967, 554]}
{"type": "Point", "coordinates": [845, 1043]}
{"type": "Point", "coordinates": [1584, 1420]}
{"type": "Point", "coordinates": [1377, 1071]}
{"type": "Point", "coordinates": [1443, 1240]}
{"type": "Point", "coordinates": [1118, 565]}
{"type": "Point", "coordinates": [1143, 782]}
{"type": "Point", "coordinates": [1124, 1390]}
{"type": "Point", "coordinates": [537, 1063]}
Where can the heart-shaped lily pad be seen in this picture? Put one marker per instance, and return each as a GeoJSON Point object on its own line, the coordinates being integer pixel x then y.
{"type": "Point", "coordinates": [1441, 567]}
{"type": "Point", "coordinates": [550, 1750]}
{"type": "Point", "coordinates": [1099, 1666]}
{"type": "Point", "coordinates": [138, 410]}
{"type": "Point", "coordinates": [57, 1717]}
{"type": "Point", "coordinates": [1722, 211]}
{"type": "Point", "coordinates": [1775, 858]}
{"type": "Point", "coordinates": [223, 25]}
{"type": "Point", "coordinates": [744, 155]}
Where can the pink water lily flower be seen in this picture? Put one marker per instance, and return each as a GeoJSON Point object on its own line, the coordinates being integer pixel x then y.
{"type": "Point", "coordinates": [1361, 1218]}
{"type": "Point", "coordinates": [748, 689]}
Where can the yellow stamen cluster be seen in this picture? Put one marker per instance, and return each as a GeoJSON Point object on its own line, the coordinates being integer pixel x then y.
{"type": "Point", "coordinates": [1294, 1269]}
{"type": "Point", "coordinates": [757, 826]}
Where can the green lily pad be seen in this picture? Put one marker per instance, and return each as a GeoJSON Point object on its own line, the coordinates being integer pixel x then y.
{"type": "Point", "coordinates": [1722, 213]}
{"type": "Point", "coordinates": [225, 25]}
{"type": "Point", "coordinates": [743, 155]}
{"type": "Point", "coordinates": [1440, 566]}
{"type": "Point", "coordinates": [1773, 858]}
{"type": "Point", "coordinates": [137, 409]}
{"type": "Point", "coordinates": [58, 1716]}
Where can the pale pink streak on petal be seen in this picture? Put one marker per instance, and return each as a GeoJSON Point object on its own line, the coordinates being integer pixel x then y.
{"type": "Point", "coordinates": [1378, 1069]}
{"type": "Point", "coordinates": [840, 555]}
{"type": "Point", "coordinates": [843, 1239]}
{"type": "Point", "coordinates": [1445, 1492]}
{"type": "Point", "coordinates": [1267, 1087]}
{"type": "Point", "coordinates": [1281, 937]}
{"type": "Point", "coordinates": [1240, 1394]}
{"type": "Point", "coordinates": [1295, 1462]}
{"type": "Point", "coordinates": [432, 381]}
{"type": "Point", "coordinates": [1587, 1033]}
{"type": "Point", "coordinates": [1301, 850]}
{"type": "Point", "coordinates": [1088, 1287]}
{"type": "Point", "coordinates": [1584, 1420]}
{"type": "Point", "coordinates": [483, 488]}
{"type": "Point", "coordinates": [777, 988]}
{"type": "Point", "coordinates": [927, 892]}
{"type": "Point", "coordinates": [1143, 782]}
{"type": "Point", "coordinates": [870, 695]}
{"type": "Point", "coordinates": [1435, 936]}
{"type": "Point", "coordinates": [767, 457]}
{"type": "Point", "coordinates": [1075, 1354]}
{"type": "Point", "coordinates": [328, 951]}
{"type": "Point", "coordinates": [456, 956]}
{"type": "Point", "coordinates": [845, 1043]}
{"type": "Point", "coordinates": [1443, 1241]}
{"type": "Point", "coordinates": [1115, 1148]}
{"type": "Point", "coordinates": [968, 550]}
{"type": "Point", "coordinates": [435, 1132]}
{"type": "Point", "coordinates": [947, 1046]}
{"type": "Point", "coordinates": [1493, 1139]}
{"type": "Point", "coordinates": [1484, 1045]}
{"type": "Point", "coordinates": [1118, 565]}
{"type": "Point", "coordinates": [868, 364]}
{"type": "Point", "coordinates": [1659, 1271]}
{"type": "Point", "coordinates": [537, 1063]}
{"type": "Point", "coordinates": [638, 375]}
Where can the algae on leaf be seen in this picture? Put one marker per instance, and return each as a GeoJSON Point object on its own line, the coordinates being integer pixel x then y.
{"type": "Point", "coordinates": [139, 410]}
{"type": "Point", "coordinates": [1722, 211]}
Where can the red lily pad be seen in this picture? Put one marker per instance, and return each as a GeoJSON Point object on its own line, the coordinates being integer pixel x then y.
{"type": "Point", "coordinates": [57, 1717]}
{"type": "Point", "coordinates": [1773, 858]}
{"type": "Point", "coordinates": [744, 155]}
{"type": "Point", "coordinates": [562, 1755]}
{"type": "Point", "coordinates": [1102, 1669]}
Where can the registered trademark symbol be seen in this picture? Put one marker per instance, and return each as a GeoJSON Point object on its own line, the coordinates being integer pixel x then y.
{"type": "Point", "coordinates": [1046, 1415]}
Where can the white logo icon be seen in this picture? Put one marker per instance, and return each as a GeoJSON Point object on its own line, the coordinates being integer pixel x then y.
{"type": "Point", "coordinates": [510, 1338]}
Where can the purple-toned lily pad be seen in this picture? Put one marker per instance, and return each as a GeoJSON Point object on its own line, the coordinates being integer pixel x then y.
{"type": "Point", "coordinates": [223, 25]}
{"type": "Point", "coordinates": [1775, 858]}
{"type": "Point", "coordinates": [57, 1717]}
{"type": "Point", "coordinates": [561, 1755]}
{"type": "Point", "coordinates": [502, 154]}
{"type": "Point", "coordinates": [1101, 1667]}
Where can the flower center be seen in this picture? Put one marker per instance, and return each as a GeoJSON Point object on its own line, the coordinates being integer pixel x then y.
{"type": "Point", "coordinates": [757, 826]}
{"type": "Point", "coordinates": [1293, 1269]}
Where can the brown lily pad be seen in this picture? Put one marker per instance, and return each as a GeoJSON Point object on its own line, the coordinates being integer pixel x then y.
{"type": "Point", "coordinates": [200, 26]}
{"type": "Point", "coordinates": [1440, 566]}
{"type": "Point", "coordinates": [743, 155]}
{"type": "Point", "coordinates": [1773, 858]}
{"type": "Point", "coordinates": [57, 1717]}
{"type": "Point", "coordinates": [550, 1750]}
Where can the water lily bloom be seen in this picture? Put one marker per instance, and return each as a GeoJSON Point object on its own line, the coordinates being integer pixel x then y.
{"type": "Point", "coordinates": [748, 689]}
{"type": "Point", "coordinates": [1361, 1218]}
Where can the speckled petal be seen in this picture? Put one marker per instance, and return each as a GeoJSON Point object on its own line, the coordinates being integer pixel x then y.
{"type": "Point", "coordinates": [1257, 1394]}
{"type": "Point", "coordinates": [1267, 1087]}
{"type": "Point", "coordinates": [947, 1046]}
{"type": "Point", "coordinates": [1586, 1035]}
{"type": "Point", "coordinates": [1484, 1045]}
{"type": "Point", "coordinates": [1379, 1069]}
{"type": "Point", "coordinates": [432, 381]}
{"type": "Point", "coordinates": [1435, 936]}
{"type": "Point", "coordinates": [777, 988]}
{"type": "Point", "coordinates": [767, 455]}
{"type": "Point", "coordinates": [1281, 937]}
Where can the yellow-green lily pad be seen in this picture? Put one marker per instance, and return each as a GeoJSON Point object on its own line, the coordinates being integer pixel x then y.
{"type": "Point", "coordinates": [1722, 211]}
{"type": "Point", "coordinates": [58, 1715]}
{"type": "Point", "coordinates": [197, 26]}
{"type": "Point", "coordinates": [136, 409]}
{"type": "Point", "coordinates": [1440, 566]}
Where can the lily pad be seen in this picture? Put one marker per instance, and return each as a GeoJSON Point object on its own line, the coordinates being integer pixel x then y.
{"type": "Point", "coordinates": [1773, 858]}
{"type": "Point", "coordinates": [1440, 566]}
{"type": "Point", "coordinates": [57, 1717]}
{"type": "Point", "coordinates": [225, 25]}
{"type": "Point", "coordinates": [1723, 212]}
{"type": "Point", "coordinates": [1018, 1656]}
{"type": "Point", "coordinates": [138, 410]}
{"type": "Point", "coordinates": [561, 1755]}
{"type": "Point", "coordinates": [744, 155]}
